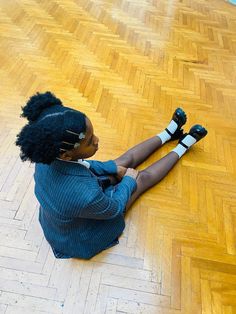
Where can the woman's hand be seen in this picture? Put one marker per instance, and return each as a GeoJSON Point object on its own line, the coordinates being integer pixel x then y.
{"type": "Point", "coordinates": [120, 172]}
{"type": "Point", "coordinates": [132, 173]}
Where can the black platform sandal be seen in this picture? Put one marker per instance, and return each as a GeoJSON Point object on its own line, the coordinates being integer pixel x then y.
{"type": "Point", "coordinates": [197, 131]}
{"type": "Point", "coordinates": [179, 116]}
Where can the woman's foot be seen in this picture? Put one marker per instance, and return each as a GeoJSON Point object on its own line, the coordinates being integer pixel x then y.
{"type": "Point", "coordinates": [196, 133]}
{"type": "Point", "coordinates": [173, 130]}
{"type": "Point", "coordinates": [180, 118]}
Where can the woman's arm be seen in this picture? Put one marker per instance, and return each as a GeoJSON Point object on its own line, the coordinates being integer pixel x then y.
{"type": "Point", "coordinates": [100, 206]}
{"type": "Point", "coordinates": [102, 167]}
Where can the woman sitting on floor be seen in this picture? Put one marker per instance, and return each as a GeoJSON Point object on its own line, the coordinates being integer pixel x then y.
{"type": "Point", "coordinates": [83, 202]}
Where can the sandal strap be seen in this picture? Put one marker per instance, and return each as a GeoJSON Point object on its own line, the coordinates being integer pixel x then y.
{"type": "Point", "coordinates": [168, 132]}
{"type": "Point", "coordinates": [184, 145]}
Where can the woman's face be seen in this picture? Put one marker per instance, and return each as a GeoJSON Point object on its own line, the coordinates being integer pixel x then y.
{"type": "Point", "coordinates": [88, 145]}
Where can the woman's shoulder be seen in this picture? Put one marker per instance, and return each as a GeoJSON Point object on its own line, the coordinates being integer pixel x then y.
{"type": "Point", "coordinates": [65, 168]}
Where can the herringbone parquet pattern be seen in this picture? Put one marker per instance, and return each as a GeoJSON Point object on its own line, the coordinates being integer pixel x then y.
{"type": "Point", "coordinates": [128, 65]}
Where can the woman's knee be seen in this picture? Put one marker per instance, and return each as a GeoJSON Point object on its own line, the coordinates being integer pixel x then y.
{"type": "Point", "coordinates": [125, 161]}
{"type": "Point", "coordinates": [143, 180]}
{"type": "Point", "coordinates": [142, 186]}
{"type": "Point", "coordinates": [144, 176]}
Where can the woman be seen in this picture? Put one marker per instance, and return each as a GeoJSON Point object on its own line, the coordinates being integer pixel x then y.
{"type": "Point", "coordinates": [83, 202]}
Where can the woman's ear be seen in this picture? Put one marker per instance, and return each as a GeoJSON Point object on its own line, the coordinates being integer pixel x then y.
{"type": "Point", "coordinates": [65, 156]}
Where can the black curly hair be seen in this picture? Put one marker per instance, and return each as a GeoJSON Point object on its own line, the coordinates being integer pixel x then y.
{"type": "Point", "coordinates": [41, 139]}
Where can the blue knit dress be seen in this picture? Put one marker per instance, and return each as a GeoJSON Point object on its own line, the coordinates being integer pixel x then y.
{"type": "Point", "coordinates": [79, 218]}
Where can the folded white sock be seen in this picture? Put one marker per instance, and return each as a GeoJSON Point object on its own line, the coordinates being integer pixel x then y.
{"type": "Point", "coordinates": [164, 135]}
{"type": "Point", "coordinates": [188, 141]}
{"type": "Point", "coordinates": [179, 150]}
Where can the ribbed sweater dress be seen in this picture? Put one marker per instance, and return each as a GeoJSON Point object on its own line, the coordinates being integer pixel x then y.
{"type": "Point", "coordinates": [79, 218]}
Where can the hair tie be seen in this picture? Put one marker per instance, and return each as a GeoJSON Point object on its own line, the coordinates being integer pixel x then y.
{"type": "Point", "coordinates": [80, 135]}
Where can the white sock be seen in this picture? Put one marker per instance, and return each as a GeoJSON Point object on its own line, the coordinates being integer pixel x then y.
{"type": "Point", "coordinates": [179, 150]}
{"type": "Point", "coordinates": [165, 136]}
{"type": "Point", "coordinates": [188, 141]}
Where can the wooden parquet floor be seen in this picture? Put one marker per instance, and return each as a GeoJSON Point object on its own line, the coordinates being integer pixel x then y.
{"type": "Point", "coordinates": [128, 65]}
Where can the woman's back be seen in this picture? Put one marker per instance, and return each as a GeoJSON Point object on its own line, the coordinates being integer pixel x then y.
{"type": "Point", "coordinates": [65, 191]}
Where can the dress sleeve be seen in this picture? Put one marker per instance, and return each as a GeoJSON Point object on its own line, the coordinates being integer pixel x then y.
{"type": "Point", "coordinates": [101, 168]}
{"type": "Point", "coordinates": [100, 206]}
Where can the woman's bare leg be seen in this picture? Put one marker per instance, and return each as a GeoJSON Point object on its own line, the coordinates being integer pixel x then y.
{"type": "Point", "coordinates": [158, 170]}
{"type": "Point", "coordinates": [137, 154]}
{"type": "Point", "coordinates": [153, 174]}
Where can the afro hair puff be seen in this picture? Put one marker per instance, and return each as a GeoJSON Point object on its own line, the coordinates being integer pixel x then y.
{"type": "Point", "coordinates": [37, 103]}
